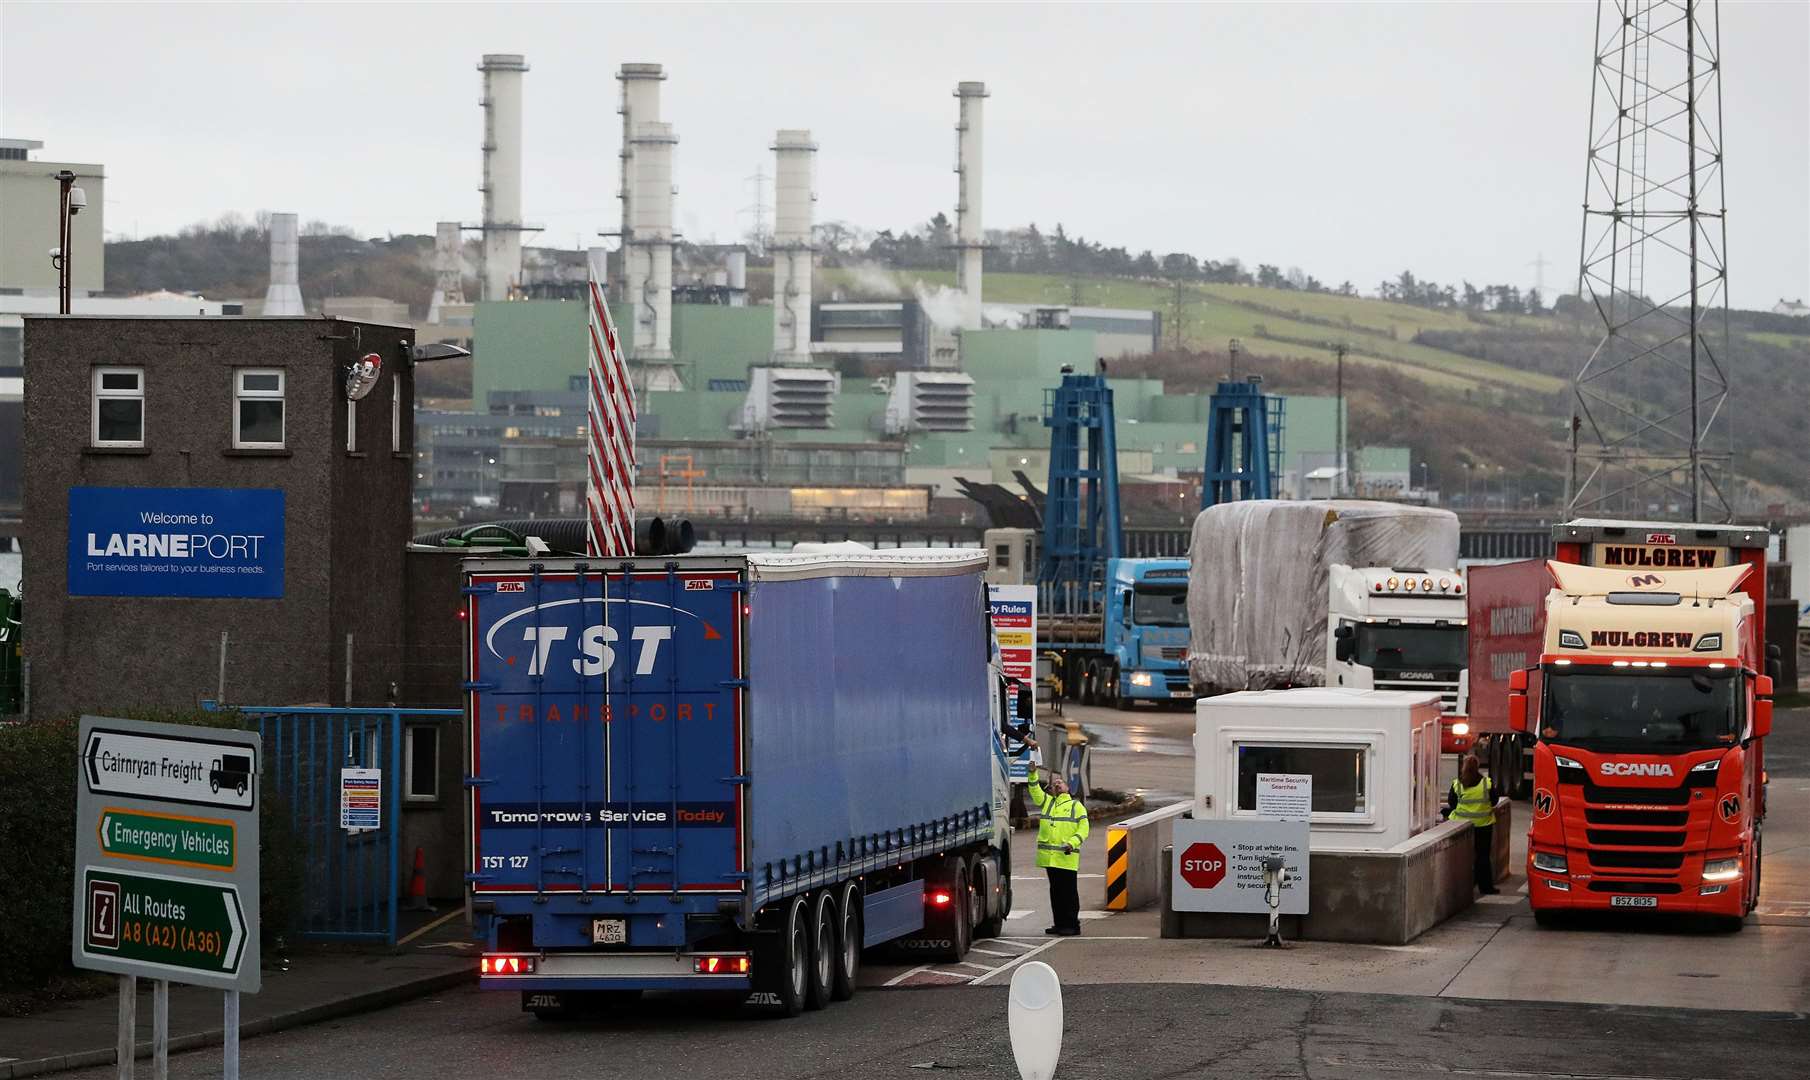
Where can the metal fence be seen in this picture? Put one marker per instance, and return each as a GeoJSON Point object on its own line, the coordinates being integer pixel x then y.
{"type": "Point", "coordinates": [351, 878]}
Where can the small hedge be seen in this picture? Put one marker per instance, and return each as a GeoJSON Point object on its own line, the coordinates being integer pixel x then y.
{"type": "Point", "coordinates": [38, 763]}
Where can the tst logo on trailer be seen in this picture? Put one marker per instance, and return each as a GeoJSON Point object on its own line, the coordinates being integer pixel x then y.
{"type": "Point", "coordinates": [553, 642]}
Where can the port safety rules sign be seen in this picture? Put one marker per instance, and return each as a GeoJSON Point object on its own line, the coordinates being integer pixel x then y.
{"type": "Point", "coordinates": [1014, 610]}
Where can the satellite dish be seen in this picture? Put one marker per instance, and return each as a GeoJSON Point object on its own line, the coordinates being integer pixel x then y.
{"type": "Point", "coordinates": [362, 375]}
{"type": "Point", "coordinates": [1034, 1015]}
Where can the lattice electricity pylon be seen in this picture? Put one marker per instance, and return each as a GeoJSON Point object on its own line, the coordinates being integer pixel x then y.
{"type": "Point", "coordinates": [1081, 526]}
{"type": "Point", "coordinates": [1647, 401]}
{"type": "Point", "coordinates": [1244, 444]}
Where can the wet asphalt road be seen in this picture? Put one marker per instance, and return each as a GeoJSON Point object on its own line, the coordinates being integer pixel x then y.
{"type": "Point", "coordinates": [1127, 1032]}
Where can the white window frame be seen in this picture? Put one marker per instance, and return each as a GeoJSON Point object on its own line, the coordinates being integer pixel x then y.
{"type": "Point", "coordinates": [97, 395]}
{"type": "Point", "coordinates": [410, 733]}
{"type": "Point", "coordinates": [1285, 740]}
{"type": "Point", "coordinates": [242, 395]}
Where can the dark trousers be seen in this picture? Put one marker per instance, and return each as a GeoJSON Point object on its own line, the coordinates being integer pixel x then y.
{"type": "Point", "coordinates": [1483, 858]}
{"type": "Point", "coordinates": [1065, 898]}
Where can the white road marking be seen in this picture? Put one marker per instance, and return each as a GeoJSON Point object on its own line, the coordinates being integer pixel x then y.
{"type": "Point", "coordinates": [990, 952]}
{"type": "Point", "coordinates": [897, 979]}
{"type": "Point", "coordinates": [966, 963]}
{"type": "Point", "coordinates": [1095, 914]}
{"type": "Point", "coordinates": [948, 974]}
{"type": "Point", "coordinates": [1042, 877]}
{"type": "Point", "coordinates": [1014, 963]}
{"type": "Point", "coordinates": [1500, 898]}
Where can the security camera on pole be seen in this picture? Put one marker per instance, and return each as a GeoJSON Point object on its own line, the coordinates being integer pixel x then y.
{"type": "Point", "coordinates": [71, 200]}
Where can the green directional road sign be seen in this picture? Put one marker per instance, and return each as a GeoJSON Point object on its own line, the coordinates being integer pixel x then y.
{"type": "Point", "coordinates": [183, 926]}
{"type": "Point", "coordinates": [167, 838]}
{"type": "Point", "coordinates": [166, 853]}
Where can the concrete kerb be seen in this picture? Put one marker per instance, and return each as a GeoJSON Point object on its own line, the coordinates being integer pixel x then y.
{"type": "Point", "coordinates": [312, 1014]}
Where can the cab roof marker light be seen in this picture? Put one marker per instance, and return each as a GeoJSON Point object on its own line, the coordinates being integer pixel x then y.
{"type": "Point", "coordinates": [1637, 663]}
{"type": "Point", "coordinates": [1562, 663]}
{"type": "Point", "coordinates": [1716, 665]}
{"type": "Point", "coordinates": [1659, 663]}
{"type": "Point", "coordinates": [1619, 663]}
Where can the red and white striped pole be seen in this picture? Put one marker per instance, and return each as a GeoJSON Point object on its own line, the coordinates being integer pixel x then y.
{"type": "Point", "coordinates": [610, 481]}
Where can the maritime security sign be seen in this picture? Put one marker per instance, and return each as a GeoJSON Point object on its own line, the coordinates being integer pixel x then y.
{"type": "Point", "coordinates": [202, 542]}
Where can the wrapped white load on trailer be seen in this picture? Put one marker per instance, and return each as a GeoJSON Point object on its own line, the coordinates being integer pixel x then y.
{"type": "Point", "coordinates": [1257, 584]}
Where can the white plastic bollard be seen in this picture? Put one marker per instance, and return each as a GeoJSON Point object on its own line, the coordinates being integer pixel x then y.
{"type": "Point", "coordinates": [1034, 1014]}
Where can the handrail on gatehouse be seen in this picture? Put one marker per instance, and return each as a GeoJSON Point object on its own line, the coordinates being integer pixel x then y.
{"type": "Point", "coordinates": [351, 871]}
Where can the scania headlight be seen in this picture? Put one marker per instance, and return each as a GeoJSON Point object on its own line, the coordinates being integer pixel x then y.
{"type": "Point", "coordinates": [1564, 762]}
{"type": "Point", "coordinates": [1721, 869]}
{"type": "Point", "coordinates": [1707, 766]}
{"type": "Point", "coordinates": [1552, 864]}
{"type": "Point", "coordinates": [1140, 678]}
{"type": "Point", "coordinates": [1461, 728]}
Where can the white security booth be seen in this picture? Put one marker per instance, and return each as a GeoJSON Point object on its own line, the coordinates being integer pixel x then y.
{"type": "Point", "coordinates": [1373, 755]}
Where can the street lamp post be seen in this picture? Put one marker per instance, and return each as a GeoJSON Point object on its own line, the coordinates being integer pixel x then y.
{"type": "Point", "coordinates": [1232, 349]}
{"type": "Point", "coordinates": [1423, 480]}
{"type": "Point", "coordinates": [71, 200]}
{"type": "Point", "coordinates": [1338, 478]}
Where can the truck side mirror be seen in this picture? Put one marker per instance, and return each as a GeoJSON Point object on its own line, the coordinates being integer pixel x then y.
{"type": "Point", "coordinates": [1344, 648]}
{"type": "Point", "coordinates": [1517, 701]}
{"type": "Point", "coordinates": [1027, 703]}
{"type": "Point", "coordinates": [1342, 632]}
{"type": "Point", "coordinates": [1125, 608]}
{"type": "Point", "coordinates": [1762, 706]}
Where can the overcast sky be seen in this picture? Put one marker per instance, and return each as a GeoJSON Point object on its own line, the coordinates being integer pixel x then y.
{"type": "Point", "coordinates": [1351, 140]}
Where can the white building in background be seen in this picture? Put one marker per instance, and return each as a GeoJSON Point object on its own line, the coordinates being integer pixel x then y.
{"type": "Point", "coordinates": [29, 200]}
{"type": "Point", "coordinates": [1796, 308]}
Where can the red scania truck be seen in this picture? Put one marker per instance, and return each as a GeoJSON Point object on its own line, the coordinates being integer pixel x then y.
{"type": "Point", "coordinates": [1647, 712]}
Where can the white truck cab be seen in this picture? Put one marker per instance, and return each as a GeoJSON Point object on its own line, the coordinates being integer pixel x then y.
{"type": "Point", "coordinates": [1398, 628]}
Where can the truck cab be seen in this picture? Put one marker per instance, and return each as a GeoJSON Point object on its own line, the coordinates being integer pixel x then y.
{"type": "Point", "coordinates": [1398, 628]}
{"type": "Point", "coordinates": [1648, 712]}
{"type": "Point", "coordinates": [1146, 628]}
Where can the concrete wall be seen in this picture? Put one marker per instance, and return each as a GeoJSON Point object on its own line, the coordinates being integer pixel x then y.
{"type": "Point", "coordinates": [29, 195]}
{"type": "Point", "coordinates": [1370, 897]}
{"type": "Point", "coordinates": [347, 514]}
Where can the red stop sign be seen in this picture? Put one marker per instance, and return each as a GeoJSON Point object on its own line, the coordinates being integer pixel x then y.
{"type": "Point", "coordinates": [1203, 865]}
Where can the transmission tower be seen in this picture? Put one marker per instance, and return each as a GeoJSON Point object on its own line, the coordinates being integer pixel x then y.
{"type": "Point", "coordinates": [1652, 265]}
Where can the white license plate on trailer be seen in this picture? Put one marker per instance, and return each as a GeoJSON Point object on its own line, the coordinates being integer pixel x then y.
{"type": "Point", "coordinates": [1634, 901]}
{"type": "Point", "coordinates": [609, 931]}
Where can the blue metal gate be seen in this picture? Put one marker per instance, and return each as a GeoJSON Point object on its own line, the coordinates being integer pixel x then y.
{"type": "Point", "coordinates": [350, 880]}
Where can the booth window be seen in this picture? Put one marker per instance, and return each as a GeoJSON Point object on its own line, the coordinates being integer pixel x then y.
{"type": "Point", "coordinates": [257, 409]}
{"type": "Point", "coordinates": [1341, 774]}
{"type": "Point", "coordinates": [119, 406]}
{"type": "Point", "coordinates": [422, 761]}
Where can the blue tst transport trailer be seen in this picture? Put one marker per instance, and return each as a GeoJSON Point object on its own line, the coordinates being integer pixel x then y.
{"type": "Point", "coordinates": [730, 773]}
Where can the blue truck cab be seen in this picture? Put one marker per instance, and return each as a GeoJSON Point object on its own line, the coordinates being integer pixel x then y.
{"type": "Point", "coordinates": [1145, 631]}
{"type": "Point", "coordinates": [730, 773]}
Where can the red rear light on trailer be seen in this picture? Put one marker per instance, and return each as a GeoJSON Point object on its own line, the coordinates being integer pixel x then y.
{"type": "Point", "coordinates": [506, 965]}
{"type": "Point", "coordinates": [721, 965]}
{"type": "Point", "coordinates": [940, 899]}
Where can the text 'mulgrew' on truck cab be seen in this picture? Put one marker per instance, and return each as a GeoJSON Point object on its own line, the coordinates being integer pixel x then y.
{"type": "Point", "coordinates": [1649, 709]}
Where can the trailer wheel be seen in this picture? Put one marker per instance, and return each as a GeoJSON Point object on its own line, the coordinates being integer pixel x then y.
{"type": "Point", "coordinates": [783, 959]}
{"type": "Point", "coordinates": [991, 926]}
{"type": "Point", "coordinates": [848, 943]}
{"type": "Point", "coordinates": [956, 915]}
{"type": "Point", "coordinates": [820, 988]}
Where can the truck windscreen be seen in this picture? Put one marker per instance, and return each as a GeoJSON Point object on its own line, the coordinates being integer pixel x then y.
{"type": "Point", "coordinates": [1159, 607]}
{"type": "Point", "coordinates": [1413, 648]}
{"type": "Point", "coordinates": [1677, 709]}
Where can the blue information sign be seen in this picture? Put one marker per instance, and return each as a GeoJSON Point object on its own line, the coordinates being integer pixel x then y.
{"type": "Point", "coordinates": [176, 542]}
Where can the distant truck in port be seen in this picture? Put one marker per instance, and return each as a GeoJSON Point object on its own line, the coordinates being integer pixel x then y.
{"type": "Point", "coordinates": [1646, 708]}
{"type": "Point", "coordinates": [1129, 641]}
{"type": "Point", "coordinates": [731, 773]}
{"type": "Point", "coordinates": [1334, 593]}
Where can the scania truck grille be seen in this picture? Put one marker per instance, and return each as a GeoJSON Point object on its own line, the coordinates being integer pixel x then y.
{"type": "Point", "coordinates": [1637, 860]}
{"type": "Point", "coordinates": [1647, 819]}
{"type": "Point", "coordinates": [1630, 796]}
{"type": "Point", "coordinates": [1448, 692]}
{"type": "Point", "coordinates": [1634, 838]}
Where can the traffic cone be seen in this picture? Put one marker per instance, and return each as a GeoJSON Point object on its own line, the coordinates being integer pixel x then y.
{"type": "Point", "coordinates": [418, 884]}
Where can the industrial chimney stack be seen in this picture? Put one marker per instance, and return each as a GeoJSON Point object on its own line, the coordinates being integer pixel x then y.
{"type": "Point", "coordinates": [449, 269]}
{"type": "Point", "coordinates": [792, 248]}
{"type": "Point", "coordinates": [969, 239]}
{"type": "Point", "coordinates": [649, 249]}
{"type": "Point", "coordinates": [500, 264]}
{"type": "Point", "coordinates": [284, 295]}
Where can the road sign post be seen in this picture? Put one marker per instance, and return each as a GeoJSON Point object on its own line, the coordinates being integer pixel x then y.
{"type": "Point", "coordinates": [166, 871]}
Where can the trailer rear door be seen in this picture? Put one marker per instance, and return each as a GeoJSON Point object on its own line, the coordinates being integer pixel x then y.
{"type": "Point", "coordinates": [606, 729]}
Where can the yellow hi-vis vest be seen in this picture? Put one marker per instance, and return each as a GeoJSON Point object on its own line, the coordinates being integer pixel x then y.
{"type": "Point", "coordinates": [1473, 803]}
{"type": "Point", "coordinates": [1063, 821]}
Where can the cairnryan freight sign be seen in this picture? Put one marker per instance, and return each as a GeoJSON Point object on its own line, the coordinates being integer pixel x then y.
{"type": "Point", "coordinates": [200, 542]}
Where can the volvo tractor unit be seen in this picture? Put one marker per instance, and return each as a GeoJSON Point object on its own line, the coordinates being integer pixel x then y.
{"type": "Point", "coordinates": [1647, 715]}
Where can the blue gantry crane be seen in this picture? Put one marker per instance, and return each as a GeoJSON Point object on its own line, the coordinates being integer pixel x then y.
{"type": "Point", "coordinates": [1244, 444]}
{"type": "Point", "coordinates": [1081, 525]}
